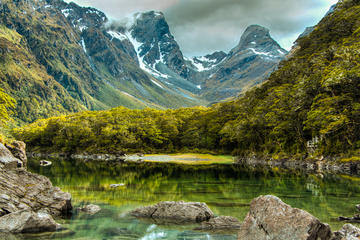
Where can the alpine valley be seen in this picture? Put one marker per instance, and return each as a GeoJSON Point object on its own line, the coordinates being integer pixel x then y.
{"type": "Point", "coordinates": [127, 136]}
{"type": "Point", "coordinates": [58, 58]}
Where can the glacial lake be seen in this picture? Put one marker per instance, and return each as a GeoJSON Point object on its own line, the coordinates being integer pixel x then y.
{"type": "Point", "coordinates": [226, 188]}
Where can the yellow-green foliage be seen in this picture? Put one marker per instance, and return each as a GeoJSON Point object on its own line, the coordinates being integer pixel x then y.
{"type": "Point", "coordinates": [21, 76]}
{"type": "Point", "coordinates": [120, 129]}
{"type": "Point", "coordinates": [314, 95]}
{"type": "Point", "coordinates": [6, 104]}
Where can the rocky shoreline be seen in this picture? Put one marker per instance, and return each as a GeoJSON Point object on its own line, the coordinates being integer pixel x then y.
{"type": "Point", "coordinates": [323, 165]}
{"type": "Point", "coordinates": [29, 203]}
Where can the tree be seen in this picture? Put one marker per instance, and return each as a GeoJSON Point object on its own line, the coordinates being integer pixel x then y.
{"type": "Point", "coordinates": [6, 104]}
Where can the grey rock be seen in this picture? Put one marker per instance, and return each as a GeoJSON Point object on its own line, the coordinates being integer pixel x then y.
{"type": "Point", "coordinates": [90, 209]}
{"type": "Point", "coordinates": [220, 223]}
{"type": "Point", "coordinates": [17, 148]}
{"type": "Point", "coordinates": [175, 212]}
{"type": "Point", "coordinates": [347, 232]}
{"type": "Point", "coordinates": [26, 221]}
{"type": "Point", "coordinates": [7, 160]}
{"type": "Point", "coordinates": [22, 190]}
{"type": "Point", "coordinates": [117, 185]}
{"type": "Point", "coordinates": [45, 163]}
{"type": "Point", "coordinates": [271, 219]}
{"type": "Point", "coordinates": [358, 207]}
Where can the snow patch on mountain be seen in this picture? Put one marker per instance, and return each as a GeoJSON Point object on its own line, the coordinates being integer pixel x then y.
{"type": "Point", "coordinates": [66, 12]}
{"type": "Point", "coordinates": [138, 47]}
{"type": "Point", "coordinates": [203, 63]}
{"type": "Point", "coordinates": [82, 42]}
{"type": "Point", "coordinates": [117, 35]}
{"type": "Point", "coordinates": [157, 84]}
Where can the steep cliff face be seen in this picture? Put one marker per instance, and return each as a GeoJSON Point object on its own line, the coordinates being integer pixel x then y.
{"type": "Point", "coordinates": [153, 47]}
{"type": "Point", "coordinates": [157, 44]}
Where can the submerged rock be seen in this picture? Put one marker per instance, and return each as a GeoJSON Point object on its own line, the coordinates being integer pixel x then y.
{"type": "Point", "coordinates": [220, 223]}
{"type": "Point", "coordinates": [27, 221]}
{"type": "Point", "coordinates": [347, 232]}
{"type": "Point", "coordinates": [271, 219]}
{"type": "Point", "coordinates": [175, 212]}
{"type": "Point", "coordinates": [90, 209]}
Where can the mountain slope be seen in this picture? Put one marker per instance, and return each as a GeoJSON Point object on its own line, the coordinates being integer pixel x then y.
{"type": "Point", "coordinates": [312, 102]}
{"type": "Point", "coordinates": [68, 58]}
{"type": "Point", "coordinates": [37, 93]}
{"type": "Point", "coordinates": [70, 44]}
{"type": "Point", "coordinates": [248, 64]}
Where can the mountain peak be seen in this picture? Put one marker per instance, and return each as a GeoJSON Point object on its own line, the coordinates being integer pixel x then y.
{"type": "Point", "coordinates": [252, 35]}
{"type": "Point", "coordinates": [149, 16]}
{"type": "Point", "coordinates": [257, 40]}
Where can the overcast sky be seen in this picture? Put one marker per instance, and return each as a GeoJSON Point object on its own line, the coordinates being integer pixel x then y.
{"type": "Point", "coordinates": [204, 26]}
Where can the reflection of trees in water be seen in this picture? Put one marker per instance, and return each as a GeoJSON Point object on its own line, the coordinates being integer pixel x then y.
{"type": "Point", "coordinates": [228, 189]}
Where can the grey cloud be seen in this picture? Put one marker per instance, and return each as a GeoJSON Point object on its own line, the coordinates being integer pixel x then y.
{"type": "Point", "coordinates": [204, 26]}
{"type": "Point", "coordinates": [199, 25]}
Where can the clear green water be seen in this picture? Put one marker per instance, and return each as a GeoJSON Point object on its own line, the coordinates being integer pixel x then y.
{"type": "Point", "coordinates": [227, 189]}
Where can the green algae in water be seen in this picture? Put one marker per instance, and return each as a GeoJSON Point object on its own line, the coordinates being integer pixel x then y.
{"type": "Point", "coordinates": [227, 189]}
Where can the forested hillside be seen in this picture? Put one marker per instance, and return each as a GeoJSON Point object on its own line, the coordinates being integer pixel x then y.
{"type": "Point", "coordinates": [310, 105]}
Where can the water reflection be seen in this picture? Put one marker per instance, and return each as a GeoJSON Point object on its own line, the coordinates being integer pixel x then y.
{"type": "Point", "coordinates": [227, 189]}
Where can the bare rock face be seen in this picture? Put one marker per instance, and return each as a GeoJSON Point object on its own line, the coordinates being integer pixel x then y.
{"type": "Point", "coordinates": [22, 190]}
{"type": "Point", "coordinates": [347, 232]}
{"type": "Point", "coordinates": [220, 223]}
{"type": "Point", "coordinates": [176, 212]}
{"type": "Point", "coordinates": [27, 221]}
{"type": "Point", "coordinates": [271, 219]}
{"type": "Point", "coordinates": [17, 148]}
{"type": "Point", "coordinates": [7, 160]}
{"type": "Point", "coordinates": [28, 202]}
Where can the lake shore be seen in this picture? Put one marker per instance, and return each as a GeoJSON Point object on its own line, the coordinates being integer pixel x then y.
{"type": "Point", "coordinates": [349, 166]}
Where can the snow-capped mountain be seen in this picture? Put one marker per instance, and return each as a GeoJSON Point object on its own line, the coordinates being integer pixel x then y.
{"type": "Point", "coordinates": [156, 50]}
{"type": "Point", "coordinates": [215, 76]}
{"type": "Point", "coordinates": [246, 65]}
{"type": "Point", "coordinates": [82, 61]}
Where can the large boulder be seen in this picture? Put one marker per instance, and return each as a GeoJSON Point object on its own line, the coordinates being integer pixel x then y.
{"type": "Point", "coordinates": [347, 232]}
{"type": "Point", "coordinates": [21, 190]}
{"type": "Point", "coordinates": [175, 212]}
{"type": "Point", "coordinates": [17, 148]}
{"type": "Point", "coordinates": [27, 221]}
{"type": "Point", "coordinates": [90, 209]}
{"type": "Point", "coordinates": [271, 219]}
{"type": "Point", "coordinates": [7, 160]}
